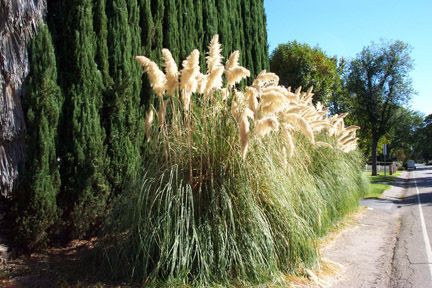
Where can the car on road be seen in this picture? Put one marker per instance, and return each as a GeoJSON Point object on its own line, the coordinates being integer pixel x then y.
{"type": "Point", "coordinates": [411, 165]}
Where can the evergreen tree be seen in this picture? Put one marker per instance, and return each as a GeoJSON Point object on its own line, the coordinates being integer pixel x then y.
{"type": "Point", "coordinates": [224, 27]}
{"type": "Point", "coordinates": [37, 203]}
{"type": "Point", "coordinates": [85, 191]}
{"type": "Point", "coordinates": [191, 39]}
{"type": "Point", "coordinates": [210, 20]}
{"type": "Point", "coordinates": [147, 25]}
{"type": "Point", "coordinates": [123, 102]}
{"type": "Point", "coordinates": [171, 29]}
{"type": "Point", "coordinates": [100, 27]}
{"type": "Point", "coordinates": [239, 37]}
{"type": "Point", "coordinates": [100, 122]}
{"type": "Point", "coordinates": [249, 33]}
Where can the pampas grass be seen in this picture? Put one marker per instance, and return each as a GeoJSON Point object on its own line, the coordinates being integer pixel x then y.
{"type": "Point", "coordinates": [238, 184]}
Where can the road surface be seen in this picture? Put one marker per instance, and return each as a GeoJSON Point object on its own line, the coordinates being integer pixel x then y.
{"type": "Point", "coordinates": [412, 264]}
{"type": "Point", "coordinates": [391, 243]}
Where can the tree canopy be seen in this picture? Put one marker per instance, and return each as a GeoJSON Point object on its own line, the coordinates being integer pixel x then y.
{"type": "Point", "coordinates": [302, 65]}
{"type": "Point", "coordinates": [379, 84]}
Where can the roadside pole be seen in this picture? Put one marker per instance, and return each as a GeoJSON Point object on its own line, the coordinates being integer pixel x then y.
{"type": "Point", "coordinates": [385, 154]}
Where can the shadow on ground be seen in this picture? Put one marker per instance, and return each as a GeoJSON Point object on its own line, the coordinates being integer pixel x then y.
{"type": "Point", "coordinates": [420, 182]}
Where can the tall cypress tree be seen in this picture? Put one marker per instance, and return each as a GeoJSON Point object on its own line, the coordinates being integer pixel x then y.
{"type": "Point", "coordinates": [100, 27]}
{"type": "Point", "coordinates": [210, 20]}
{"type": "Point", "coordinates": [189, 27]}
{"type": "Point", "coordinates": [240, 38]}
{"type": "Point", "coordinates": [101, 118]}
{"type": "Point", "coordinates": [248, 26]}
{"type": "Point", "coordinates": [260, 36]}
{"type": "Point", "coordinates": [123, 101]}
{"type": "Point", "coordinates": [171, 29]}
{"type": "Point", "coordinates": [85, 191]}
{"type": "Point", "coordinates": [146, 24]}
{"type": "Point", "coordinates": [37, 199]}
{"type": "Point", "coordinates": [224, 27]}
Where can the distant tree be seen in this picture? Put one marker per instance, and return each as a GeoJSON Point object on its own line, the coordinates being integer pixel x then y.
{"type": "Point", "coordinates": [301, 65]}
{"type": "Point", "coordinates": [340, 100]}
{"type": "Point", "coordinates": [379, 84]}
{"type": "Point", "coordinates": [403, 138]}
{"type": "Point", "coordinates": [37, 204]}
{"type": "Point", "coordinates": [424, 137]}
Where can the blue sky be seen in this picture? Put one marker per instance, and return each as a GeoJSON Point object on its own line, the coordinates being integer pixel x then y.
{"type": "Point", "coordinates": [344, 27]}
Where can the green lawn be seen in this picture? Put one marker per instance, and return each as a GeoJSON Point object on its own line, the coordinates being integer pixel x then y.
{"type": "Point", "coordinates": [378, 184]}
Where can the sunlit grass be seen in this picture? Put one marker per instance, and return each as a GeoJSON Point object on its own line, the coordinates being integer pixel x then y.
{"type": "Point", "coordinates": [379, 184]}
{"type": "Point", "coordinates": [237, 187]}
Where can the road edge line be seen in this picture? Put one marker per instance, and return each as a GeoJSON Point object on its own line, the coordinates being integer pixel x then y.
{"type": "Point", "coordinates": [423, 225]}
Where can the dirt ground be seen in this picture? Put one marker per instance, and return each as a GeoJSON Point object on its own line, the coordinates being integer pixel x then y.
{"type": "Point", "coordinates": [69, 266]}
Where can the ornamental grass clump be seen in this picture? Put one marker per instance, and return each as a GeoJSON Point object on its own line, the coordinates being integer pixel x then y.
{"type": "Point", "coordinates": [238, 184]}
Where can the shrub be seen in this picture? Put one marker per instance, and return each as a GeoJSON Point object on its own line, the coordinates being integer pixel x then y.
{"type": "Point", "coordinates": [36, 206]}
{"type": "Point", "coordinates": [237, 185]}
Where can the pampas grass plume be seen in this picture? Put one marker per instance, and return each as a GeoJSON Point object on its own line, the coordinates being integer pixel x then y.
{"type": "Point", "coordinates": [190, 72]}
{"type": "Point", "coordinates": [171, 72]}
{"type": "Point", "coordinates": [251, 96]}
{"type": "Point", "coordinates": [299, 123]}
{"type": "Point", "coordinates": [232, 60]}
{"type": "Point", "coordinates": [214, 80]}
{"type": "Point", "coordinates": [157, 78]}
{"type": "Point", "coordinates": [265, 79]}
{"type": "Point", "coordinates": [266, 125]}
{"type": "Point", "coordinates": [214, 58]}
{"type": "Point", "coordinates": [236, 74]}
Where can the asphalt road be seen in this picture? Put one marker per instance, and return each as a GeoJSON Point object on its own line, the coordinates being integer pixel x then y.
{"type": "Point", "coordinates": [412, 258]}
{"type": "Point", "coordinates": [390, 244]}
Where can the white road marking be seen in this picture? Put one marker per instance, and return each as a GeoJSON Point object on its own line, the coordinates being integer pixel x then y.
{"type": "Point", "coordinates": [423, 225]}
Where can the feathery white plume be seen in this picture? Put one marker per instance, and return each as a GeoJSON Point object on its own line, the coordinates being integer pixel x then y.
{"type": "Point", "coordinates": [214, 57]}
{"type": "Point", "coordinates": [265, 79]}
{"type": "Point", "coordinates": [232, 60]}
{"type": "Point", "coordinates": [156, 76]}
{"type": "Point", "coordinates": [190, 72]}
{"type": "Point", "coordinates": [202, 83]}
{"type": "Point", "coordinates": [266, 125]}
{"type": "Point", "coordinates": [236, 74]}
{"type": "Point", "coordinates": [252, 98]}
{"type": "Point", "coordinates": [171, 72]}
{"type": "Point", "coordinates": [214, 79]}
{"type": "Point", "coordinates": [299, 123]}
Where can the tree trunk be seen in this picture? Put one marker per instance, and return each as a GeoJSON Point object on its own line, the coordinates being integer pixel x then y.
{"type": "Point", "coordinates": [18, 19]}
{"type": "Point", "coordinates": [374, 155]}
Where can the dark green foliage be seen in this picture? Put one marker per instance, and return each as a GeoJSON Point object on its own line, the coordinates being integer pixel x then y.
{"type": "Point", "coordinates": [100, 120]}
{"type": "Point", "coordinates": [379, 82]}
{"type": "Point", "coordinates": [37, 204]}
{"type": "Point", "coordinates": [172, 31]}
{"type": "Point", "coordinates": [123, 100]}
{"type": "Point", "coordinates": [423, 147]}
{"type": "Point", "coordinates": [100, 27]}
{"type": "Point", "coordinates": [85, 189]}
{"type": "Point", "coordinates": [210, 21]}
{"type": "Point", "coordinates": [301, 65]}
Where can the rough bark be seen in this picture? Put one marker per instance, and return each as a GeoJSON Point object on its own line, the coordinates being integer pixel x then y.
{"type": "Point", "coordinates": [18, 20]}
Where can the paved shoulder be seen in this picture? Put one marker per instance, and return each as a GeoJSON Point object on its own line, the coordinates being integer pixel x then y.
{"type": "Point", "coordinates": [366, 250]}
